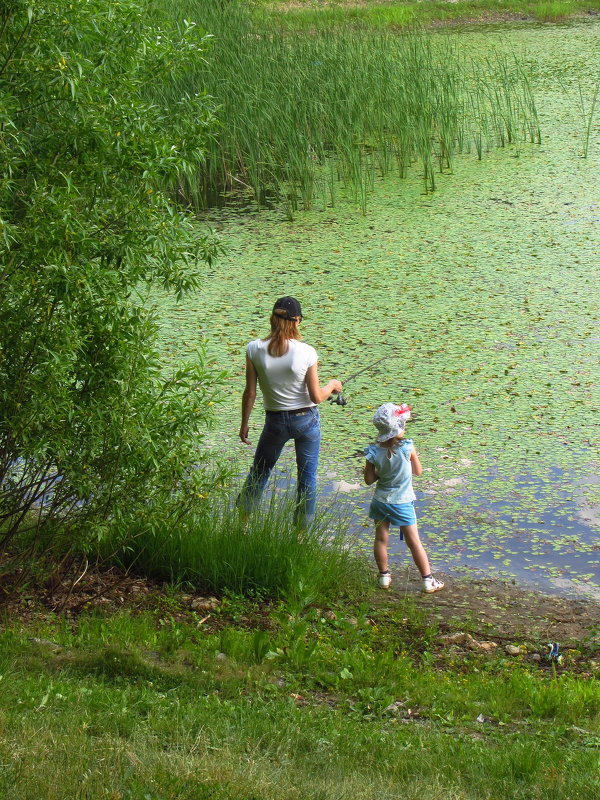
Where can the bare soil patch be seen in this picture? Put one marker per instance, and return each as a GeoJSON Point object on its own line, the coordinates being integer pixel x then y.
{"type": "Point", "coordinates": [508, 613]}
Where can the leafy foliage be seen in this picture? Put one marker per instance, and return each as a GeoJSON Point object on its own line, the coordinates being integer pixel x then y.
{"type": "Point", "coordinates": [88, 422]}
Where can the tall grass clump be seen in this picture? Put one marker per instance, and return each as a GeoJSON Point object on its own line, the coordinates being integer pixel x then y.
{"type": "Point", "coordinates": [303, 111]}
{"type": "Point", "coordinates": [215, 549]}
{"type": "Point", "coordinates": [552, 11]}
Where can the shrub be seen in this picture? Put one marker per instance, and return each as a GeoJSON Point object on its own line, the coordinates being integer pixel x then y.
{"type": "Point", "coordinates": [90, 426]}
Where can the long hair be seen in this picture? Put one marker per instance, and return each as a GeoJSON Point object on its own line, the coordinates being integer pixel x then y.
{"type": "Point", "coordinates": [282, 329]}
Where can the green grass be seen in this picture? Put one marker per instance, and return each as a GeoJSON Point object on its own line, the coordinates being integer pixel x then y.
{"type": "Point", "coordinates": [305, 113]}
{"type": "Point", "coordinates": [297, 706]}
{"type": "Point", "coordinates": [215, 549]}
{"type": "Point", "coordinates": [554, 11]}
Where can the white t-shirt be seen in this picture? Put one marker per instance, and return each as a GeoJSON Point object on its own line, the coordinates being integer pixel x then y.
{"type": "Point", "coordinates": [282, 379]}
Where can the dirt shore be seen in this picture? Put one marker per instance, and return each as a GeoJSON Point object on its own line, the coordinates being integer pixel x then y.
{"type": "Point", "coordinates": [508, 613]}
{"type": "Point", "coordinates": [487, 609]}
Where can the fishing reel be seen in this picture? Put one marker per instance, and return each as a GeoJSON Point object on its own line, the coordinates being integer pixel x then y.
{"type": "Point", "coordinates": [338, 400]}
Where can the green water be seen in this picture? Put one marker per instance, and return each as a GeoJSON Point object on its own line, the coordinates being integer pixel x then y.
{"type": "Point", "coordinates": [484, 296]}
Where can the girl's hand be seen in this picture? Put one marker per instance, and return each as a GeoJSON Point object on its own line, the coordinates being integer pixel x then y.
{"type": "Point", "coordinates": [244, 434]}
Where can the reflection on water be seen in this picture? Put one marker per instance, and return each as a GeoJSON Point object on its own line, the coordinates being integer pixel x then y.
{"type": "Point", "coordinates": [555, 549]}
{"type": "Point", "coordinates": [550, 548]}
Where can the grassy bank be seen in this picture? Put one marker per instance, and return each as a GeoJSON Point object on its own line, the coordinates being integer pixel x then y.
{"type": "Point", "coordinates": [238, 700]}
{"type": "Point", "coordinates": [308, 14]}
{"type": "Point", "coordinates": [214, 548]}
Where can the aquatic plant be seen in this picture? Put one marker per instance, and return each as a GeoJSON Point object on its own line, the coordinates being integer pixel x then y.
{"type": "Point", "coordinates": [587, 116]}
{"type": "Point", "coordinates": [301, 112]}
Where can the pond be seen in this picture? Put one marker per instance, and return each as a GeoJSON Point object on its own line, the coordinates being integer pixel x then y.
{"type": "Point", "coordinates": [484, 299]}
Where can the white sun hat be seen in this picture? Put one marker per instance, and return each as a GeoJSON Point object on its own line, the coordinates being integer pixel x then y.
{"type": "Point", "coordinates": [389, 419]}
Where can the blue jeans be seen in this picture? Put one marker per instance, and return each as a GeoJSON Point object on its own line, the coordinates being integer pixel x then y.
{"type": "Point", "coordinates": [281, 426]}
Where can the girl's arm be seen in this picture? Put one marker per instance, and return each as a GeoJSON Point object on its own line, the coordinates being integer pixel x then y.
{"type": "Point", "coordinates": [319, 393]}
{"type": "Point", "coordinates": [248, 398]}
{"type": "Point", "coordinates": [370, 473]}
{"type": "Point", "coordinates": [415, 464]}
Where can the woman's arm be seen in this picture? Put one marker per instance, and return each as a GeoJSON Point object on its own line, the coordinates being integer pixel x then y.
{"type": "Point", "coordinates": [370, 473]}
{"type": "Point", "coordinates": [319, 393]}
{"type": "Point", "coordinates": [417, 469]}
{"type": "Point", "coordinates": [248, 398]}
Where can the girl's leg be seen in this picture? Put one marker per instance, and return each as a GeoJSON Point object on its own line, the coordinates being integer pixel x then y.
{"type": "Point", "coordinates": [411, 534]}
{"type": "Point", "coordinates": [382, 531]}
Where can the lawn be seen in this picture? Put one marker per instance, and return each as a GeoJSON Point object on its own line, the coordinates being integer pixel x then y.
{"type": "Point", "coordinates": [180, 696]}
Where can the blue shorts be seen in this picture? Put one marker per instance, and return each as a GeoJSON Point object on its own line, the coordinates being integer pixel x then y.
{"type": "Point", "coordinates": [398, 514]}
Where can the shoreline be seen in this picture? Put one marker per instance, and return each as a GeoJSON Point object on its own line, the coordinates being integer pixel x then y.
{"type": "Point", "coordinates": [486, 608]}
{"type": "Point", "coordinates": [432, 14]}
{"type": "Point", "coordinates": [501, 610]}
{"type": "Point", "coordinates": [554, 580]}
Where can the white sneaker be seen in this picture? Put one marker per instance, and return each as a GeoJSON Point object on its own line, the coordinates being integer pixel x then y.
{"type": "Point", "coordinates": [384, 580]}
{"type": "Point", "coordinates": [432, 584]}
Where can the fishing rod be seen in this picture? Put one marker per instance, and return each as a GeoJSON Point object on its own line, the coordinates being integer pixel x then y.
{"type": "Point", "coordinates": [338, 399]}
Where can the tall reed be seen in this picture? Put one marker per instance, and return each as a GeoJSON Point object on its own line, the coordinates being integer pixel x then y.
{"type": "Point", "coordinates": [587, 116]}
{"type": "Point", "coordinates": [297, 108]}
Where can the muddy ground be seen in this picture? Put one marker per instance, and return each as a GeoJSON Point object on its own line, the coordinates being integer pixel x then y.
{"type": "Point", "coordinates": [507, 612]}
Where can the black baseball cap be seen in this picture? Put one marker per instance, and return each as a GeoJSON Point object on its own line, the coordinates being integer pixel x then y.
{"type": "Point", "coordinates": [290, 305]}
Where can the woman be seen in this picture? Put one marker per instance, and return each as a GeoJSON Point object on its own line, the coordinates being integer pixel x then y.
{"type": "Point", "coordinates": [286, 370]}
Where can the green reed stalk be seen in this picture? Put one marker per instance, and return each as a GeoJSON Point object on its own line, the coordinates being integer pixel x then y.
{"type": "Point", "coordinates": [588, 117]}
{"type": "Point", "coordinates": [215, 549]}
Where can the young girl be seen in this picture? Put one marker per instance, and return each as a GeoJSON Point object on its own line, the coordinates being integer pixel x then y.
{"type": "Point", "coordinates": [392, 462]}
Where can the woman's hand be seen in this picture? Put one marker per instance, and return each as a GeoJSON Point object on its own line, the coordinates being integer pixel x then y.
{"type": "Point", "coordinates": [244, 434]}
{"type": "Point", "coordinates": [319, 393]}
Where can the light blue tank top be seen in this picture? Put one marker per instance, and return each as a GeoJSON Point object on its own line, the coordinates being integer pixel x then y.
{"type": "Point", "coordinates": [395, 473]}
